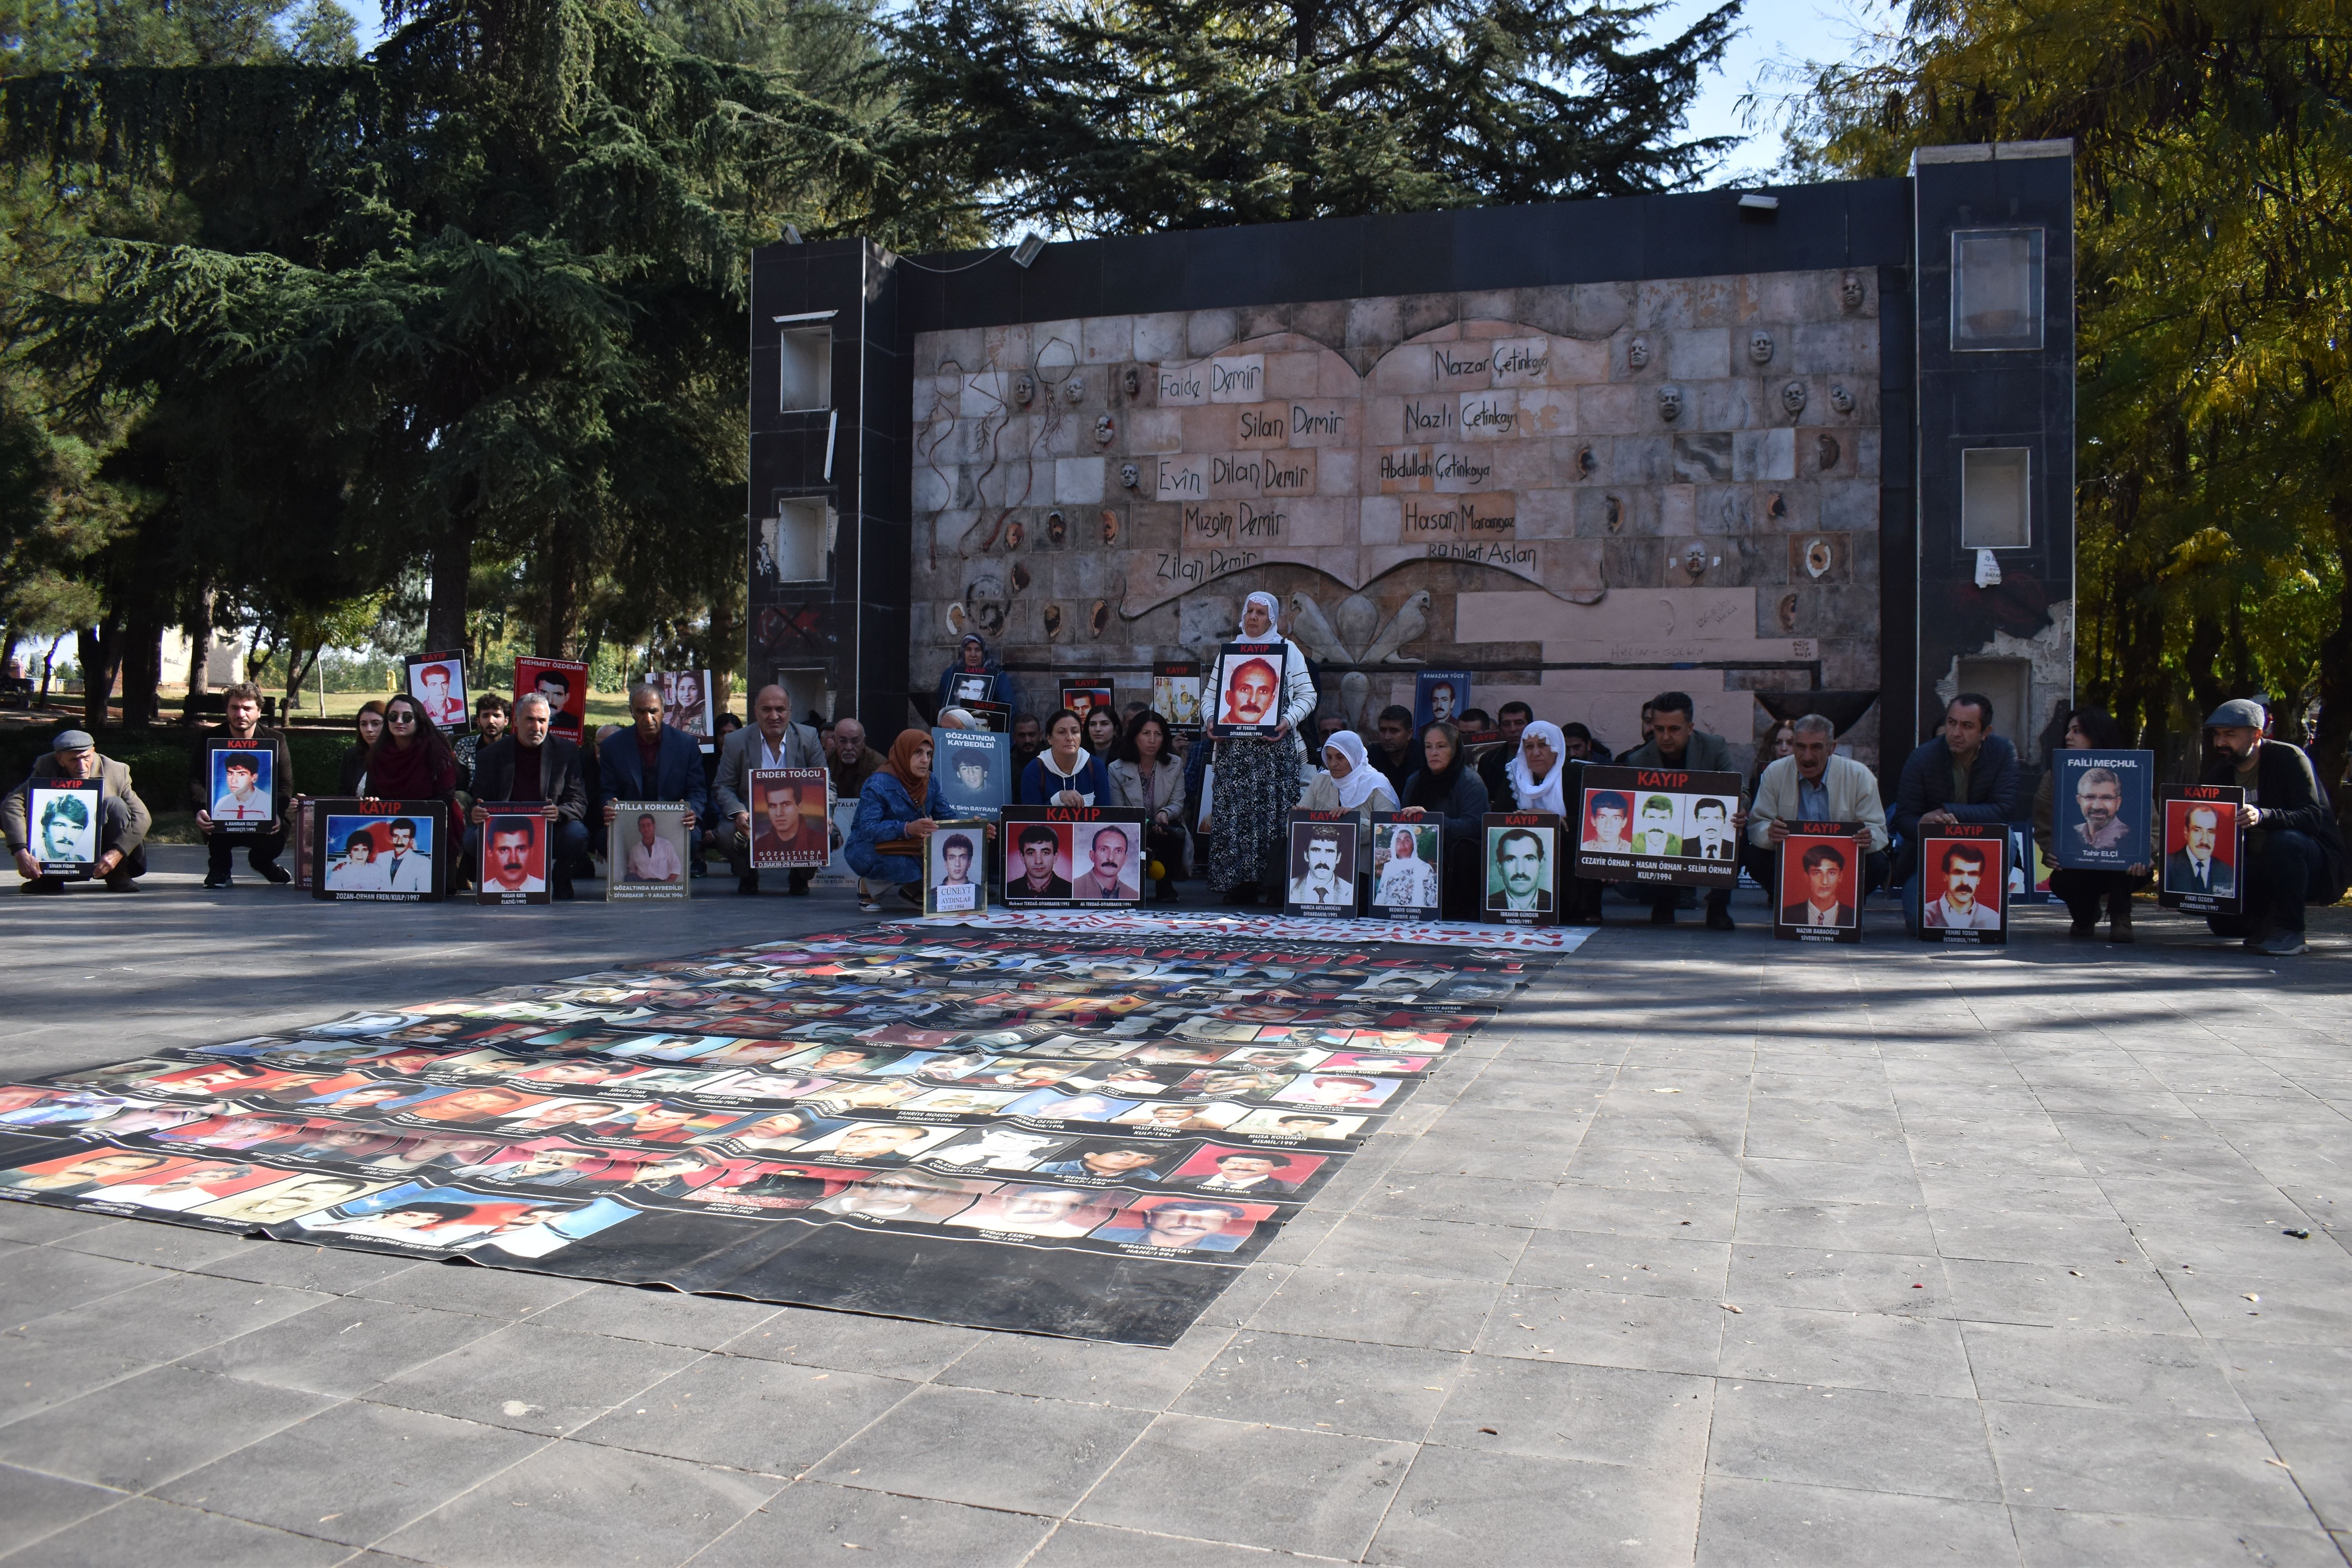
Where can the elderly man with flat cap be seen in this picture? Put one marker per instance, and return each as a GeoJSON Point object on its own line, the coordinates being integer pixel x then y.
{"type": "Point", "coordinates": [123, 818]}
{"type": "Point", "coordinates": [2294, 854]}
{"type": "Point", "coordinates": [771, 740]}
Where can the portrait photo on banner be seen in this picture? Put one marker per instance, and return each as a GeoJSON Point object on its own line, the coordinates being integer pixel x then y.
{"type": "Point", "coordinates": [1322, 864]}
{"type": "Point", "coordinates": [966, 688]}
{"type": "Point", "coordinates": [1963, 884]}
{"type": "Point", "coordinates": [788, 823]}
{"type": "Point", "coordinates": [565, 683]}
{"type": "Point", "coordinates": [380, 851]}
{"type": "Point", "coordinates": [1176, 692]}
{"type": "Point", "coordinates": [1407, 870]}
{"type": "Point", "coordinates": [1522, 868]}
{"type": "Point", "coordinates": [437, 682]}
{"type": "Point", "coordinates": [2204, 846]}
{"type": "Point", "coordinates": [1821, 883]}
{"type": "Point", "coordinates": [2104, 800]}
{"type": "Point", "coordinates": [686, 701]}
{"type": "Point", "coordinates": [1248, 699]}
{"type": "Point", "coordinates": [62, 819]}
{"type": "Point", "coordinates": [241, 782]}
{"type": "Point", "coordinates": [1083, 694]}
{"type": "Point", "coordinates": [1073, 857]}
{"type": "Point", "coordinates": [514, 853]}
{"type": "Point", "coordinates": [975, 770]}
{"type": "Point", "coordinates": [954, 879]}
{"type": "Point", "coordinates": [1439, 696]}
{"type": "Point", "coordinates": [651, 850]}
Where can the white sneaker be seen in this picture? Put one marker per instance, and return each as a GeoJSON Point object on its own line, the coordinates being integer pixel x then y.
{"type": "Point", "coordinates": [869, 907]}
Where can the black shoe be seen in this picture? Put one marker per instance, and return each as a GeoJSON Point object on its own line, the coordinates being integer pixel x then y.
{"type": "Point", "coordinates": [277, 876]}
{"type": "Point", "coordinates": [1662, 914]}
{"type": "Point", "coordinates": [120, 882]}
{"type": "Point", "coordinates": [43, 885]}
{"type": "Point", "coordinates": [1720, 919]}
{"type": "Point", "coordinates": [2084, 930]}
{"type": "Point", "coordinates": [563, 890]}
{"type": "Point", "coordinates": [217, 879]}
{"type": "Point", "coordinates": [748, 887]}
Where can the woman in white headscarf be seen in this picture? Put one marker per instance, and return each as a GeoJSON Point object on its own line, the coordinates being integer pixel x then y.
{"type": "Point", "coordinates": [1253, 780]}
{"type": "Point", "coordinates": [1537, 771]}
{"type": "Point", "coordinates": [1348, 781]}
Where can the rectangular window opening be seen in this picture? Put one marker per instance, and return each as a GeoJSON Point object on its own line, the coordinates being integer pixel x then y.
{"type": "Point", "coordinates": [805, 369]}
{"type": "Point", "coordinates": [1996, 498]}
{"type": "Point", "coordinates": [1997, 289]}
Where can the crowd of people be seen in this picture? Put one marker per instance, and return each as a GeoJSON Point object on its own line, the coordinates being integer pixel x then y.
{"type": "Point", "coordinates": [1219, 809]}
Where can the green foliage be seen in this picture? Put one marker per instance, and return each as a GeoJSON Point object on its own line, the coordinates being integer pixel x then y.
{"type": "Point", "coordinates": [1124, 116]}
{"type": "Point", "coordinates": [2214, 140]}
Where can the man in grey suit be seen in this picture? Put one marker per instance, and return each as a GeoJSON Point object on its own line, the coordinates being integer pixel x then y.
{"type": "Point", "coordinates": [773, 741]}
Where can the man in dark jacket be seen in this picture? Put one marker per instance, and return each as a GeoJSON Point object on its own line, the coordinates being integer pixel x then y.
{"type": "Point", "coordinates": [651, 761]}
{"type": "Point", "coordinates": [1676, 743]}
{"type": "Point", "coordinates": [1394, 754]}
{"type": "Point", "coordinates": [527, 764]}
{"type": "Point", "coordinates": [2294, 854]}
{"type": "Point", "coordinates": [1495, 767]}
{"type": "Point", "coordinates": [1967, 773]}
{"type": "Point", "coordinates": [263, 836]}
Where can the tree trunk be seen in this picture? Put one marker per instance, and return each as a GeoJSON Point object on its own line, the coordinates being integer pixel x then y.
{"type": "Point", "coordinates": [49, 661]}
{"type": "Point", "coordinates": [298, 669]}
{"type": "Point", "coordinates": [142, 669]}
{"type": "Point", "coordinates": [452, 566]}
{"type": "Point", "coordinates": [200, 657]}
{"type": "Point", "coordinates": [2333, 752]}
{"type": "Point", "coordinates": [101, 651]}
{"type": "Point", "coordinates": [726, 647]}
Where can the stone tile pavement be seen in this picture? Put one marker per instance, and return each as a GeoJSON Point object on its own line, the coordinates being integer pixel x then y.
{"type": "Point", "coordinates": [1712, 1252]}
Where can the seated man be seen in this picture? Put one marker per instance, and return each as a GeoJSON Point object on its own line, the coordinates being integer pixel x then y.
{"type": "Point", "coordinates": [1674, 742]}
{"type": "Point", "coordinates": [123, 817]}
{"type": "Point", "coordinates": [528, 764]}
{"type": "Point", "coordinates": [1967, 773]}
{"type": "Point", "coordinates": [771, 741]}
{"type": "Point", "coordinates": [266, 813]}
{"type": "Point", "coordinates": [1813, 783]}
{"type": "Point", "coordinates": [2294, 854]}
{"type": "Point", "coordinates": [490, 715]}
{"type": "Point", "coordinates": [650, 761]}
{"type": "Point", "coordinates": [1495, 767]}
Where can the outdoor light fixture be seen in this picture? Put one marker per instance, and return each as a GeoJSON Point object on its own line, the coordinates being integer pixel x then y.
{"type": "Point", "coordinates": [1754, 208]}
{"type": "Point", "coordinates": [1027, 250]}
{"type": "Point", "coordinates": [791, 234]}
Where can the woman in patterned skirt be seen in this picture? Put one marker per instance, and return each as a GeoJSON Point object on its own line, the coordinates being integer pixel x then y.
{"type": "Point", "coordinates": [1253, 780]}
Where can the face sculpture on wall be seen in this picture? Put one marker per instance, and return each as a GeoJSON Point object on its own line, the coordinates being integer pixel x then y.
{"type": "Point", "coordinates": [1840, 399]}
{"type": "Point", "coordinates": [1131, 475]}
{"type": "Point", "coordinates": [1792, 398]}
{"type": "Point", "coordinates": [1637, 352]}
{"type": "Point", "coordinates": [1851, 292]}
{"type": "Point", "coordinates": [1024, 390]}
{"type": "Point", "coordinates": [1670, 403]}
{"type": "Point", "coordinates": [1105, 429]}
{"type": "Point", "coordinates": [1075, 389]}
{"type": "Point", "coordinates": [1760, 347]}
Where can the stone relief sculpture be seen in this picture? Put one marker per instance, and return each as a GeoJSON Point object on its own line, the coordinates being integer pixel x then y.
{"type": "Point", "coordinates": [1315, 632]}
{"type": "Point", "coordinates": [1670, 403]}
{"type": "Point", "coordinates": [1760, 347]}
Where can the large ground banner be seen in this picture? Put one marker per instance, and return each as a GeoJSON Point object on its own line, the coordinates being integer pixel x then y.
{"type": "Point", "coordinates": [1080, 1136]}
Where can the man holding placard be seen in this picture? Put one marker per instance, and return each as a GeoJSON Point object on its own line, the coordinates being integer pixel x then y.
{"type": "Point", "coordinates": [1677, 744]}
{"type": "Point", "coordinates": [770, 742]}
{"type": "Point", "coordinates": [2293, 853]}
{"type": "Point", "coordinates": [1966, 774]}
{"type": "Point", "coordinates": [112, 828]}
{"type": "Point", "coordinates": [1813, 783]}
{"type": "Point", "coordinates": [241, 782]}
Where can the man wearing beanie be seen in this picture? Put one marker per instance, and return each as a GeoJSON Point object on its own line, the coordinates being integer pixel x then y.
{"type": "Point", "coordinates": [2294, 854]}
{"type": "Point", "coordinates": [123, 818]}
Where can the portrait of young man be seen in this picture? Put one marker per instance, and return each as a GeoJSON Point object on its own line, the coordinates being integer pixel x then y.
{"type": "Point", "coordinates": [1322, 865]}
{"type": "Point", "coordinates": [1710, 836]}
{"type": "Point", "coordinates": [1969, 900]}
{"type": "Point", "coordinates": [1606, 814]}
{"type": "Point", "coordinates": [516, 862]}
{"type": "Point", "coordinates": [1822, 878]}
{"type": "Point", "coordinates": [1656, 834]}
{"type": "Point", "coordinates": [1519, 878]}
{"type": "Point", "coordinates": [1031, 874]}
{"type": "Point", "coordinates": [652, 857]}
{"type": "Point", "coordinates": [440, 686]}
{"type": "Point", "coordinates": [1184, 1225]}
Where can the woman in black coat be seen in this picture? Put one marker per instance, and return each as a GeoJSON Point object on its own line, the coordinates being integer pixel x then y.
{"type": "Point", "coordinates": [1446, 786]}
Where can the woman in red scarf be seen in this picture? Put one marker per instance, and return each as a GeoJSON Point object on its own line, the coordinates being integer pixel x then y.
{"type": "Point", "coordinates": [412, 760]}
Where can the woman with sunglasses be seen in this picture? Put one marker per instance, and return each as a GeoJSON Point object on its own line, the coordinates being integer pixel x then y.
{"type": "Point", "coordinates": [412, 760]}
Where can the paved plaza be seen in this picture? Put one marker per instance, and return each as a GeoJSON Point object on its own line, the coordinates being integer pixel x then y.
{"type": "Point", "coordinates": [1710, 1250]}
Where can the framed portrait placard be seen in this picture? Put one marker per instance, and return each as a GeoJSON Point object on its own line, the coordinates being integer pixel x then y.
{"type": "Point", "coordinates": [2204, 848]}
{"type": "Point", "coordinates": [997, 716]}
{"type": "Point", "coordinates": [304, 826]}
{"type": "Point", "coordinates": [437, 682]}
{"type": "Point", "coordinates": [651, 848]}
{"type": "Point", "coordinates": [240, 781]}
{"type": "Point", "coordinates": [1176, 692]}
{"type": "Point", "coordinates": [975, 770]}
{"type": "Point", "coordinates": [1247, 698]}
{"type": "Point", "coordinates": [1821, 883]}
{"type": "Point", "coordinates": [565, 683]}
{"type": "Point", "coordinates": [955, 878]}
{"type": "Point", "coordinates": [2104, 800]}
{"type": "Point", "coordinates": [1964, 883]}
{"type": "Point", "coordinates": [62, 819]}
{"type": "Point", "coordinates": [380, 851]}
{"type": "Point", "coordinates": [966, 687]}
{"type": "Point", "coordinates": [1522, 868]}
{"type": "Point", "coordinates": [788, 822]}
{"type": "Point", "coordinates": [1439, 696]}
{"type": "Point", "coordinates": [1407, 866]}
{"type": "Point", "coordinates": [1321, 872]}
{"type": "Point", "coordinates": [686, 701]}
{"type": "Point", "coordinates": [1072, 857]}
{"type": "Point", "coordinates": [1082, 694]}
{"type": "Point", "coordinates": [1660, 825]}
{"type": "Point", "coordinates": [514, 853]}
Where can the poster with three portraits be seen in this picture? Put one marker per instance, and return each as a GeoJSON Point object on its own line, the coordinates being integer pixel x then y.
{"type": "Point", "coordinates": [1664, 826]}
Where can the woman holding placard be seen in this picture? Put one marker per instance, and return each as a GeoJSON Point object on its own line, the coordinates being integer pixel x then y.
{"type": "Point", "coordinates": [1444, 787]}
{"type": "Point", "coordinates": [2080, 889]}
{"type": "Point", "coordinates": [1149, 778]}
{"type": "Point", "coordinates": [1065, 773]}
{"type": "Point", "coordinates": [1254, 779]}
{"type": "Point", "coordinates": [900, 801]}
